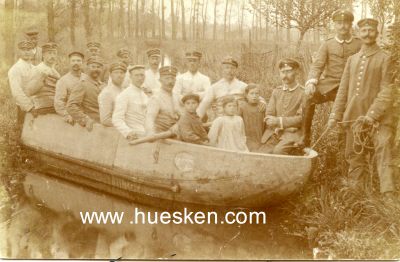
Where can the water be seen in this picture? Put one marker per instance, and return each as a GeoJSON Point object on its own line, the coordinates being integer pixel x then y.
{"type": "Point", "coordinates": [48, 225]}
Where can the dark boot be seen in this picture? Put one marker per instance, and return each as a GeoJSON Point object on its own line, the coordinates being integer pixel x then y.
{"type": "Point", "coordinates": [308, 114]}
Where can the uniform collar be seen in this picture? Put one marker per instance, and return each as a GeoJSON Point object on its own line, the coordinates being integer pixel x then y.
{"type": "Point", "coordinates": [286, 88]}
{"type": "Point", "coordinates": [369, 50]}
{"type": "Point", "coordinates": [348, 41]}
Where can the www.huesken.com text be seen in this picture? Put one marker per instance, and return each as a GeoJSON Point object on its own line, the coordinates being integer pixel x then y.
{"type": "Point", "coordinates": [177, 217]}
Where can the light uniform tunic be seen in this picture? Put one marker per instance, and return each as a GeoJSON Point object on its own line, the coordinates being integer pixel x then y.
{"type": "Point", "coordinates": [125, 83]}
{"type": "Point", "coordinates": [228, 132]}
{"type": "Point", "coordinates": [188, 83]}
{"type": "Point", "coordinates": [64, 87]}
{"type": "Point", "coordinates": [130, 111]}
{"type": "Point", "coordinates": [18, 76]}
{"type": "Point", "coordinates": [216, 92]}
{"type": "Point", "coordinates": [152, 80]}
{"type": "Point", "coordinates": [106, 103]}
{"type": "Point", "coordinates": [161, 112]}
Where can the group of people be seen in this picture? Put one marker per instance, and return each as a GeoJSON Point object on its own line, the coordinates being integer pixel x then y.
{"type": "Point", "coordinates": [230, 114]}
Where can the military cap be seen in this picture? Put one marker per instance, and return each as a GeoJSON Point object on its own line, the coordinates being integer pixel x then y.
{"type": "Point", "coordinates": [122, 52]}
{"type": "Point", "coordinates": [168, 70]}
{"type": "Point", "coordinates": [193, 54]}
{"type": "Point", "coordinates": [32, 31]}
{"type": "Point", "coordinates": [49, 47]}
{"type": "Point", "coordinates": [25, 45]}
{"type": "Point", "coordinates": [76, 53]}
{"type": "Point", "coordinates": [367, 22]}
{"type": "Point", "coordinates": [153, 52]}
{"type": "Point", "coordinates": [135, 67]}
{"type": "Point", "coordinates": [93, 44]}
{"type": "Point", "coordinates": [190, 96]}
{"type": "Point", "coordinates": [118, 66]}
{"type": "Point", "coordinates": [230, 61]}
{"type": "Point", "coordinates": [342, 15]}
{"type": "Point", "coordinates": [288, 63]}
{"type": "Point", "coordinates": [95, 59]}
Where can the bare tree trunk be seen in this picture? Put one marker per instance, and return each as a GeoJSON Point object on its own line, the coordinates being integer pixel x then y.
{"type": "Point", "coordinates": [121, 29]}
{"type": "Point", "coordinates": [183, 21]}
{"type": "Point", "coordinates": [72, 22]}
{"type": "Point", "coordinates": [173, 29]}
{"type": "Point", "coordinates": [101, 13]}
{"type": "Point", "coordinates": [86, 14]}
{"type": "Point", "coordinates": [137, 27]}
{"type": "Point", "coordinates": [110, 20]}
{"type": "Point", "coordinates": [205, 14]}
{"type": "Point", "coordinates": [225, 16]}
{"type": "Point", "coordinates": [215, 20]}
{"type": "Point", "coordinates": [8, 31]}
{"type": "Point", "coordinates": [129, 18]}
{"type": "Point", "coordinates": [143, 24]}
{"type": "Point", "coordinates": [163, 20]}
{"type": "Point", "coordinates": [266, 27]}
{"type": "Point", "coordinates": [153, 16]}
{"type": "Point", "coordinates": [51, 34]}
{"type": "Point", "coordinates": [300, 41]}
{"type": "Point", "coordinates": [196, 24]}
{"type": "Point", "coordinates": [229, 20]}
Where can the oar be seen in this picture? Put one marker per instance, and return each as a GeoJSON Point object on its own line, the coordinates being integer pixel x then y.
{"type": "Point", "coordinates": [152, 138]}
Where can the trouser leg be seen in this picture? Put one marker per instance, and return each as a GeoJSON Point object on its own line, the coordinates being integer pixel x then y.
{"type": "Point", "coordinates": [358, 165]}
{"type": "Point", "coordinates": [383, 139]}
{"type": "Point", "coordinates": [284, 147]}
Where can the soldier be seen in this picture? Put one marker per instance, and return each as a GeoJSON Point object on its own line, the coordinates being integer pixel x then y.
{"type": "Point", "coordinates": [124, 56]}
{"type": "Point", "coordinates": [151, 82]}
{"type": "Point", "coordinates": [32, 35]}
{"type": "Point", "coordinates": [365, 98]}
{"type": "Point", "coordinates": [93, 49]}
{"type": "Point", "coordinates": [327, 69]}
{"type": "Point", "coordinates": [191, 82]}
{"type": "Point", "coordinates": [130, 106]}
{"type": "Point", "coordinates": [83, 103]}
{"type": "Point", "coordinates": [161, 112]}
{"type": "Point", "coordinates": [283, 113]}
{"type": "Point", "coordinates": [110, 92]}
{"type": "Point", "coordinates": [66, 83]}
{"type": "Point", "coordinates": [43, 79]}
{"type": "Point", "coordinates": [18, 77]}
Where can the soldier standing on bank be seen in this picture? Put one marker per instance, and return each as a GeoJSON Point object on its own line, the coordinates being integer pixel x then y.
{"type": "Point", "coordinates": [32, 35]}
{"type": "Point", "coordinates": [365, 98]}
{"type": "Point", "coordinates": [327, 69]}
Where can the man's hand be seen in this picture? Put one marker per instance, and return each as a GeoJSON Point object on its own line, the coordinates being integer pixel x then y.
{"type": "Point", "coordinates": [272, 121]}
{"type": "Point", "coordinates": [261, 106]}
{"type": "Point", "coordinates": [68, 119]}
{"type": "Point", "coordinates": [131, 136]}
{"type": "Point", "coordinates": [34, 112]}
{"type": "Point", "coordinates": [332, 123]}
{"type": "Point", "coordinates": [310, 89]}
{"type": "Point", "coordinates": [89, 124]}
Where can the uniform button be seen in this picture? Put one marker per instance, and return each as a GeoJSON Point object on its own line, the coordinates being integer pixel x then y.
{"type": "Point", "coordinates": [357, 88]}
{"type": "Point", "coordinates": [358, 83]}
{"type": "Point", "coordinates": [362, 67]}
{"type": "Point", "coordinates": [372, 112]}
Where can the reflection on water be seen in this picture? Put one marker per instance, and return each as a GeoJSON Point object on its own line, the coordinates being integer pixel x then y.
{"type": "Point", "coordinates": [48, 226]}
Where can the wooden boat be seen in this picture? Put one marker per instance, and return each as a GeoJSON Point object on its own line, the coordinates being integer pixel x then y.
{"type": "Point", "coordinates": [166, 173]}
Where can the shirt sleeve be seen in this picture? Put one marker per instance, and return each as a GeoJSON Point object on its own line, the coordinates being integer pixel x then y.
{"type": "Point", "coordinates": [105, 108]}
{"type": "Point", "coordinates": [74, 104]}
{"type": "Point", "coordinates": [177, 94]}
{"type": "Point", "coordinates": [206, 102]}
{"type": "Point", "coordinates": [339, 105]}
{"type": "Point", "coordinates": [22, 100]}
{"type": "Point", "coordinates": [118, 117]}
{"type": "Point", "coordinates": [153, 109]}
{"type": "Point", "coordinates": [318, 65]}
{"type": "Point", "coordinates": [206, 86]}
{"type": "Point", "coordinates": [271, 107]}
{"type": "Point", "coordinates": [35, 82]}
{"type": "Point", "coordinates": [60, 98]}
{"type": "Point", "coordinates": [214, 132]}
{"type": "Point", "coordinates": [384, 99]}
{"type": "Point", "coordinates": [186, 131]}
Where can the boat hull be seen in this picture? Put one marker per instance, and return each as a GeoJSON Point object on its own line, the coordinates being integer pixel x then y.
{"type": "Point", "coordinates": [165, 173]}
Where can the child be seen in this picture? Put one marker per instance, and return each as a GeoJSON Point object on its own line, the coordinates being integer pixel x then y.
{"type": "Point", "coordinates": [253, 118]}
{"type": "Point", "coordinates": [190, 127]}
{"type": "Point", "coordinates": [227, 131]}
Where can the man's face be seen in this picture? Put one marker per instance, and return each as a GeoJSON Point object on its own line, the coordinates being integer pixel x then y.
{"type": "Point", "coordinates": [167, 82]}
{"type": "Point", "coordinates": [95, 70]}
{"type": "Point", "coordinates": [117, 77]}
{"type": "Point", "coordinates": [193, 64]}
{"type": "Point", "coordinates": [253, 96]}
{"type": "Point", "coordinates": [288, 76]}
{"type": "Point", "coordinates": [368, 34]}
{"type": "Point", "coordinates": [26, 54]}
{"type": "Point", "coordinates": [191, 105]}
{"type": "Point", "coordinates": [94, 51]}
{"type": "Point", "coordinates": [76, 63]}
{"type": "Point", "coordinates": [154, 61]}
{"type": "Point", "coordinates": [50, 57]}
{"type": "Point", "coordinates": [228, 71]}
{"type": "Point", "coordinates": [343, 27]}
{"type": "Point", "coordinates": [137, 77]}
{"type": "Point", "coordinates": [34, 39]}
{"type": "Point", "coordinates": [125, 58]}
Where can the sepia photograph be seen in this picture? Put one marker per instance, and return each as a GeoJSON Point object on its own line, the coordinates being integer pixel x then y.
{"type": "Point", "coordinates": [200, 129]}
